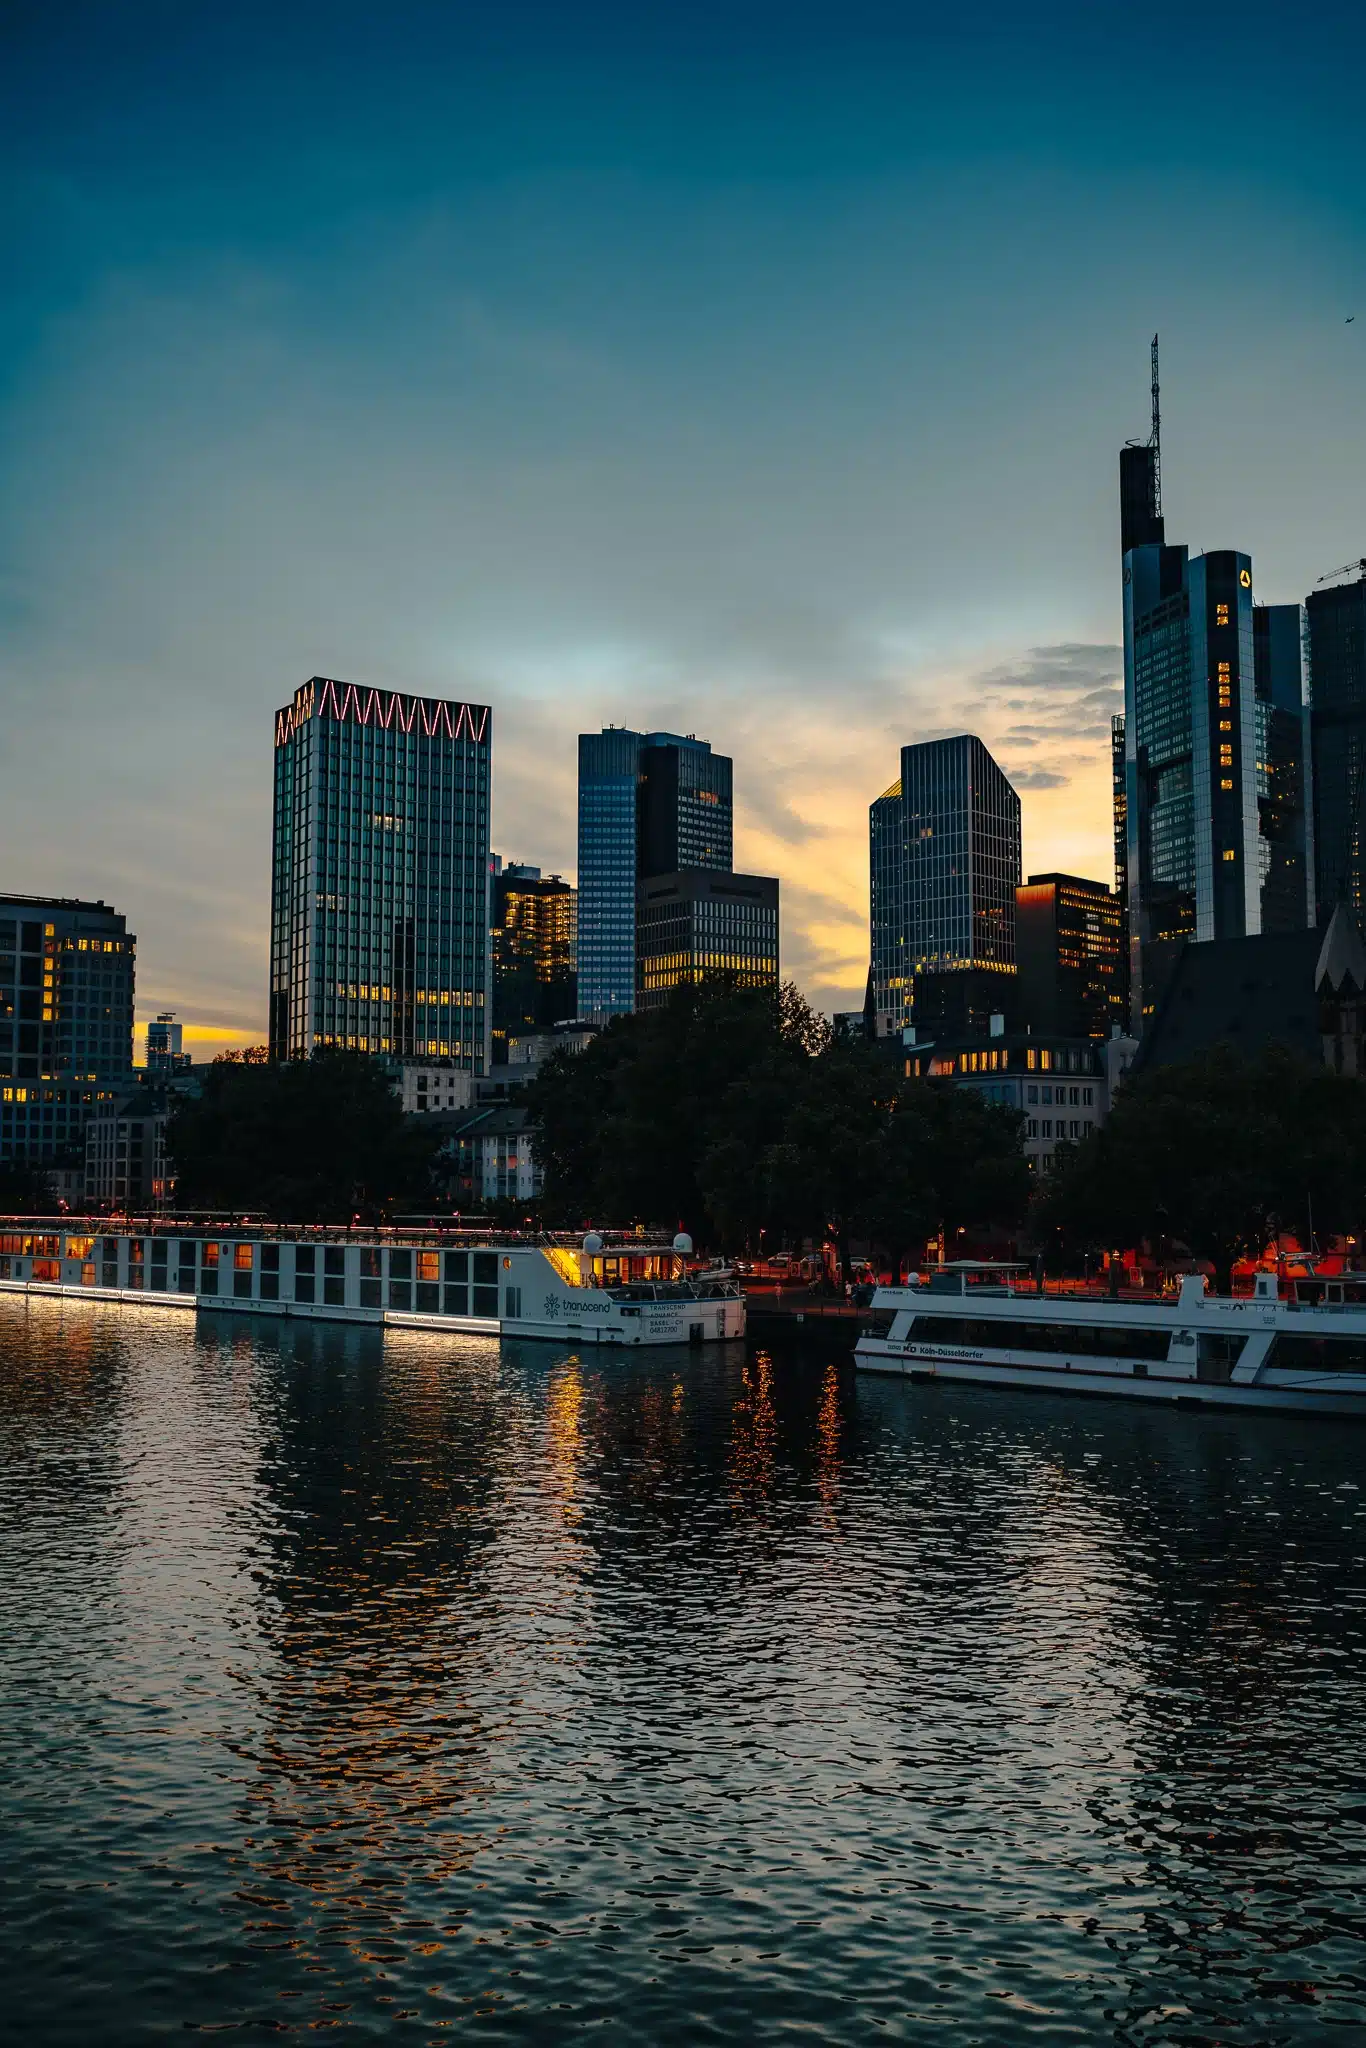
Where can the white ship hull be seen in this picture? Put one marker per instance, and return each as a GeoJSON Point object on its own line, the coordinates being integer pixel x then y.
{"type": "Point", "coordinates": [1198, 1352]}
{"type": "Point", "coordinates": [486, 1290]}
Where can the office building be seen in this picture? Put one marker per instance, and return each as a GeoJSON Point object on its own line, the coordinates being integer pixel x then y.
{"type": "Point", "coordinates": [1069, 948]}
{"type": "Point", "coordinates": [702, 923]}
{"type": "Point", "coordinates": [379, 937]}
{"type": "Point", "coordinates": [649, 803]}
{"type": "Point", "coordinates": [66, 1021]}
{"type": "Point", "coordinates": [165, 1054]}
{"type": "Point", "coordinates": [944, 846]}
{"type": "Point", "coordinates": [1215, 801]}
{"type": "Point", "coordinates": [126, 1165]}
{"type": "Point", "coordinates": [1337, 675]}
{"type": "Point", "coordinates": [534, 930]}
{"type": "Point", "coordinates": [1062, 1087]}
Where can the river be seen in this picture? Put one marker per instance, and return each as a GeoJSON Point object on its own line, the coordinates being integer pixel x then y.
{"type": "Point", "coordinates": [399, 1686]}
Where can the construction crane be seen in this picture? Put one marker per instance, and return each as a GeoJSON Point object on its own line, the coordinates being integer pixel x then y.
{"type": "Point", "coordinates": [1357, 568]}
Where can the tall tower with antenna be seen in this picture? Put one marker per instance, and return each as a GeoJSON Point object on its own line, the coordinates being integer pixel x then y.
{"type": "Point", "coordinates": [1140, 482]}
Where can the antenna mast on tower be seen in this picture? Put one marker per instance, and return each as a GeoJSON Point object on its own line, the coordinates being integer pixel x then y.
{"type": "Point", "coordinates": [1155, 438]}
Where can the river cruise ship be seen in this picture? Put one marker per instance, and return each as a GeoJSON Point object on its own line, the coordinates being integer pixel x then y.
{"type": "Point", "coordinates": [968, 1322]}
{"type": "Point", "coordinates": [588, 1293]}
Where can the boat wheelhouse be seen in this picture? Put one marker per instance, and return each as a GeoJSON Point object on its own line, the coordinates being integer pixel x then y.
{"type": "Point", "coordinates": [971, 1322]}
{"type": "Point", "coordinates": [590, 1293]}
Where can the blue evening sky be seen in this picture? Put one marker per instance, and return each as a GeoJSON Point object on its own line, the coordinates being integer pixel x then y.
{"type": "Point", "coordinates": [754, 370]}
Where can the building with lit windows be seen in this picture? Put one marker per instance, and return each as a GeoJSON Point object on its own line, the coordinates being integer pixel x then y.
{"type": "Point", "coordinates": [379, 934]}
{"type": "Point", "coordinates": [1061, 1087]}
{"type": "Point", "coordinates": [944, 858]}
{"type": "Point", "coordinates": [165, 1040]}
{"type": "Point", "coordinates": [66, 1021]}
{"type": "Point", "coordinates": [702, 923]}
{"type": "Point", "coordinates": [126, 1166]}
{"type": "Point", "coordinates": [1337, 675]}
{"type": "Point", "coordinates": [1215, 803]}
{"type": "Point", "coordinates": [649, 804]}
{"type": "Point", "coordinates": [534, 931]}
{"type": "Point", "coordinates": [1071, 957]}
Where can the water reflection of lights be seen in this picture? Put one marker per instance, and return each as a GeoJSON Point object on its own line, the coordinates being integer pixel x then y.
{"type": "Point", "coordinates": [754, 1429]}
{"type": "Point", "coordinates": [828, 1437]}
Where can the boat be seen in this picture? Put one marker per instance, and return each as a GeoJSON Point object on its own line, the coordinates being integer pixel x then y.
{"type": "Point", "coordinates": [593, 1292]}
{"type": "Point", "coordinates": [971, 1321]}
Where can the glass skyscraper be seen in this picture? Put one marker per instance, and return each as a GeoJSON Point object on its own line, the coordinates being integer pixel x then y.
{"type": "Point", "coordinates": [944, 847]}
{"type": "Point", "coordinates": [1337, 674]}
{"type": "Point", "coordinates": [66, 1021]}
{"type": "Point", "coordinates": [1215, 797]}
{"type": "Point", "coordinates": [649, 804]}
{"type": "Point", "coordinates": [379, 933]}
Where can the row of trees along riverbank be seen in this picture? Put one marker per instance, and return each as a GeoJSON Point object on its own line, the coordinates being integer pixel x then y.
{"type": "Point", "coordinates": [736, 1112]}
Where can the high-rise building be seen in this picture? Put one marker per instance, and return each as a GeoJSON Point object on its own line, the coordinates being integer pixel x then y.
{"type": "Point", "coordinates": [649, 803]}
{"type": "Point", "coordinates": [534, 928]}
{"type": "Point", "coordinates": [66, 1021]}
{"type": "Point", "coordinates": [1337, 676]}
{"type": "Point", "coordinates": [944, 846]}
{"type": "Point", "coordinates": [165, 1041]}
{"type": "Point", "coordinates": [1069, 946]}
{"type": "Point", "coordinates": [702, 922]}
{"type": "Point", "coordinates": [379, 936]}
{"type": "Point", "coordinates": [1120, 801]}
{"type": "Point", "coordinates": [1215, 796]}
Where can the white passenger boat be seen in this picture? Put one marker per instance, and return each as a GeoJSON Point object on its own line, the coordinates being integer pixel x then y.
{"type": "Point", "coordinates": [969, 1322]}
{"type": "Point", "coordinates": [589, 1293]}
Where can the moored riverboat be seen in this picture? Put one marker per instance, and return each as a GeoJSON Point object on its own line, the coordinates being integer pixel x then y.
{"type": "Point", "coordinates": [581, 1293]}
{"type": "Point", "coordinates": [972, 1322]}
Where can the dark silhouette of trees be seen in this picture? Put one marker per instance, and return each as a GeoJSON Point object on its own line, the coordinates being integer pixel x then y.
{"type": "Point", "coordinates": [1217, 1154]}
{"type": "Point", "coordinates": [733, 1111]}
{"type": "Point", "coordinates": [316, 1140]}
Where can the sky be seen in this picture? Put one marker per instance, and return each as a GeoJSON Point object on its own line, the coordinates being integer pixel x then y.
{"type": "Point", "coordinates": [757, 371]}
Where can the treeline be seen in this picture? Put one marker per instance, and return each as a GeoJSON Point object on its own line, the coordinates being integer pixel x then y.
{"type": "Point", "coordinates": [1216, 1158]}
{"type": "Point", "coordinates": [733, 1112]}
{"type": "Point", "coordinates": [315, 1141]}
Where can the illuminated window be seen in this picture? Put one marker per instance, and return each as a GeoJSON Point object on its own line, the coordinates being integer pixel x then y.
{"type": "Point", "coordinates": [1229, 853]}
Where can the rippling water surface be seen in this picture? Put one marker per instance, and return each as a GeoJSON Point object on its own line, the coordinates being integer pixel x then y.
{"type": "Point", "coordinates": [400, 1686]}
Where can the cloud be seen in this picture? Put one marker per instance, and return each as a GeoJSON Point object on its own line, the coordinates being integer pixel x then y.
{"type": "Point", "coordinates": [1039, 778]}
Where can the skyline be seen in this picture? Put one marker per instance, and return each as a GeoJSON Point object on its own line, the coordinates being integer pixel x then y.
{"type": "Point", "coordinates": [776, 398]}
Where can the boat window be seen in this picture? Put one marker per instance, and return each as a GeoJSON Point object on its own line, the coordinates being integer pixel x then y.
{"type": "Point", "coordinates": [1074, 1340]}
{"type": "Point", "coordinates": [1318, 1354]}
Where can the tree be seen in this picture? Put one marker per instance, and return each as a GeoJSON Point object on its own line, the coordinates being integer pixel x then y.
{"type": "Point", "coordinates": [318, 1140]}
{"type": "Point", "coordinates": [735, 1110]}
{"type": "Point", "coordinates": [1219, 1153]}
{"type": "Point", "coordinates": [25, 1190]}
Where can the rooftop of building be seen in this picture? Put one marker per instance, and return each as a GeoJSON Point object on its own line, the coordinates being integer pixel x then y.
{"type": "Point", "coordinates": [97, 907]}
{"type": "Point", "coordinates": [1254, 992]}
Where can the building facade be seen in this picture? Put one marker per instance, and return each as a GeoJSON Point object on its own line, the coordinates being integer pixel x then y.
{"type": "Point", "coordinates": [534, 928]}
{"type": "Point", "coordinates": [379, 934]}
{"type": "Point", "coordinates": [649, 803]}
{"type": "Point", "coordinates": [67, 971]}
{"type": "Point", "coordinates": [125, 1156]}
{"type": "Point", "coordinates": [1215, 804]}
{"type": "Point", "coordinates": [489, 1156]}
{"type": "Point", "coordinates": [1061, 1087]}
{"type": "Point", "coordinates": [702, 923]}
{"type": "Point", "coordinates": [1072, 963]}
{"type": "Point", "coordinates": [1337, 675]}
{"type": "Point", "coordinates": [944, 857]}
{"type": "Point", "coordinates": [165, 1043]}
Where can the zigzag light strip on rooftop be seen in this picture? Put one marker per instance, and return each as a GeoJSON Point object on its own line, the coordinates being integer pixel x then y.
{"type": "Point", "coordinates": [322, 697]}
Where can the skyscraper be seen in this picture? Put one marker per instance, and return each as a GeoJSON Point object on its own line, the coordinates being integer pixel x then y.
{"type": "Point", "coordinates": [944, 844]}
{"type": "Point", "coordinates": [534, 928]}
{"type": "Point", "coordinates": [66, 1020]}
{"type": "Point", "coordinates": [1337, 675]}
{"type": "Point", "coordinates": [1069, 946]}
{"type": "Point", "coordinates": [379, 935]}
{"type": "Point", "coordinates": [702, 922]}
{"type": "Point", "coordinates": [649, 804]}
{"type": "Point", "coordinates": [1215, 793]}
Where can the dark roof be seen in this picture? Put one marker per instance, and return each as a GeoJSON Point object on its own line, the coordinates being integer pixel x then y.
{"type": "Point", "coordinates": [1253, 993]}
{"type": "Point", "coordinates": [498, 1122]}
